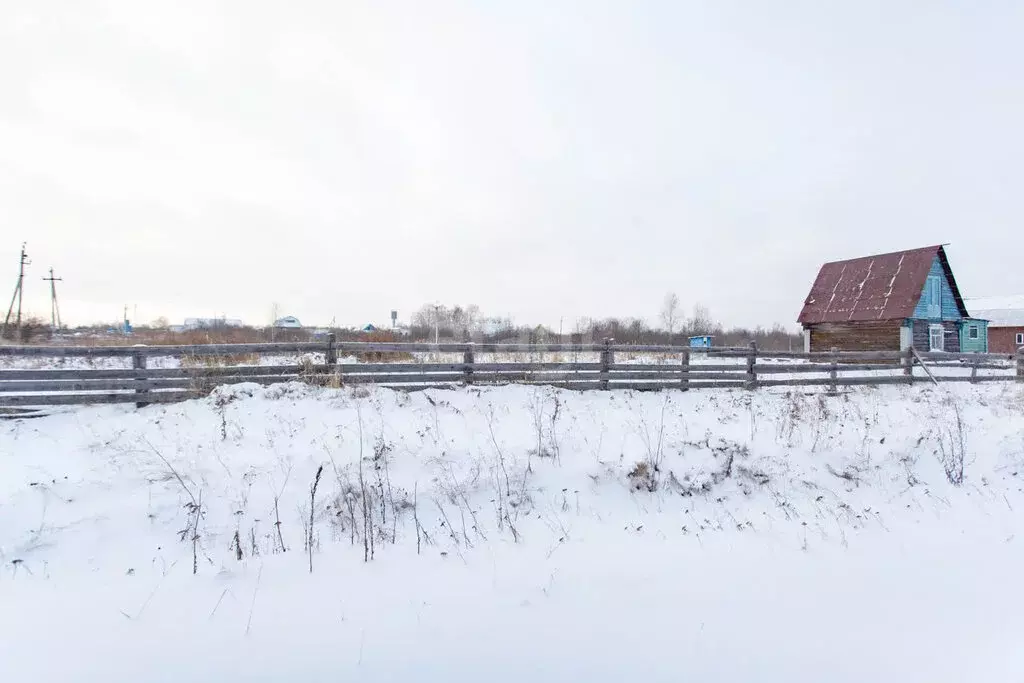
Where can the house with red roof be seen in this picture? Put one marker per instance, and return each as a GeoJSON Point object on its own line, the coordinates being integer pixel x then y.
{"type": "Point", "coordinates": [890, 302]}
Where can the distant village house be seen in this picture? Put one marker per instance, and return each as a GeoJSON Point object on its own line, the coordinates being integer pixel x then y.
{"type": "Point", "coordinates": [211, 323]}
{"type": "Point", "coordinates": [889, 302]}
{"type": "Point", "coordinates": [1005, 316]}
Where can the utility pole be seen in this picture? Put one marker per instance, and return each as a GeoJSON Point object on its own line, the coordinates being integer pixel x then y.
{"type": "Point", "coordinates": [54, 308]}
{"type": "Point", "coordinates": [18, 293]}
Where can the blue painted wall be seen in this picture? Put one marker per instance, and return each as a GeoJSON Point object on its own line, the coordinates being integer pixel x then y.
{"type": "Point", "coordinates": [968, 345]}
{"type": "Point", "coordinates": [949, 309]}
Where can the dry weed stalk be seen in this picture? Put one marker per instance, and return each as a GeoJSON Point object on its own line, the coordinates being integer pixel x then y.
{"type": "Point", "coordinates": [312, 512]}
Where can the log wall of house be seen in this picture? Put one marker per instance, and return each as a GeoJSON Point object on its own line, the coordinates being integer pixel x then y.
{"type": "Point", "coordinates": [922, 341]}
{"type": "Point", "coordinates": [1003, 339]}
{"type": "Point", "coordinates": [856, 336]}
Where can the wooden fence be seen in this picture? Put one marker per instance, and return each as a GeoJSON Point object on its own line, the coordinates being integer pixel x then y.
{"type": "Point", "coordinates": [610, 366]}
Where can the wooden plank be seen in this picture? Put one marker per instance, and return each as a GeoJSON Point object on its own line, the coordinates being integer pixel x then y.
{"type": "Point", "coordinates": [751, 363]}
{"type": "Point", "coordinates": [537, 367]}
{"type": "Point", "coordinates": [468, 360]}
{"type": "Point", "coordinates": [139, 365]}
{"type": "Point", "coordinates": [73, 385]}
{"type": "Point", "coordinates": [369, 368]}
{"type": "Point", "coordinates": [674, 367]}
{"type": "Point", "coordinates": [607, 361]}
{"type": "Point", "coordinates": [406, 378]}
{"type": "Point", "coordinates": [670, 386]}
{"type": "Point", "coordinates": [838, 356]}
{"type": "Point", "coordinates": [347, 368]}
{"type": "Point", "coordinates": [142, 384]}
{"type": "Point", "coordinates": [764, 369]}
{"type": "Point", "coordinates": [67, 351]}
{"type": "Point", "coordinates": [646, 386]}
{"type": "Point", "coordinates": [676, 373]}
{"type": "Point", "coordinates": [684, 371]}
{"type": "Point", "coordinates": [459, 348]}
{"type": "Point", "coordinates": [331, 354]}
{"type": "Point", "coordinates": [241, 370]}
{"type": "Point", "coordinates": [968, 366]}
{"type": "Point", "coordinates": [163, 350]}
{"type": "Point", "coordinates": [354, 348]}
{"type": "Point", "coordinates": [90, 399]}
{"type": "Point", "coordinates": [950, 356]}
{"type": "Point", "coordinates": [980, 378]}
{"type": "Point", "coordinates": [117, 373]}
{"type": "Point", "coordinates": [840, 381]}
{"type": "Point", "coordinates": [478, 377]}
{"type": "Point", "coordinates": [854, 381]}
{"type": "Point", "coordinates": [153, 373]}
{"type": "Point", "coordinates": [21, 413]}
{"type": "Point", "coordinates": [201, 350]}
{"type": "Point", "coordinates": [665, 349]}
{"type": "Point", "coordinates": [924, 367]}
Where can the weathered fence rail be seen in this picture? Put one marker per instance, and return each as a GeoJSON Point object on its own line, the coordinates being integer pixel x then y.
{"type": "Point", "coordinates": [616, 366]}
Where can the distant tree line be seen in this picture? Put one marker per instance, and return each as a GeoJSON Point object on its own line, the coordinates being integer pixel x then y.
{"type": "Point", "coordinates": [457, 323]}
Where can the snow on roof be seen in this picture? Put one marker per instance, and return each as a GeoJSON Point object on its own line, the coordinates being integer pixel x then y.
{"type": "Point", "coordinates": [1000, 311]}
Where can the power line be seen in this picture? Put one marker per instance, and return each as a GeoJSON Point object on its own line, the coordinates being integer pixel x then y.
{"type": "Point", "coordinates": [54, 307]}
{"type": "Point", "coordinates": [18, 293]}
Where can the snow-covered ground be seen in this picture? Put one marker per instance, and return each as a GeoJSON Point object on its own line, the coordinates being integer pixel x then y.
{"type": "Point", "coordinates": [519, 533]}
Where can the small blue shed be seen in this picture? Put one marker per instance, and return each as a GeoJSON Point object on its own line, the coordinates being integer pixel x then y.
{"type": "Point", "coordinates": [701, 341]}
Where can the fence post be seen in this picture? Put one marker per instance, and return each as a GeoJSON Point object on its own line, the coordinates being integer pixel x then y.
{"type": "Point", "coordinates": [607, 358]}
{"type": "Point", "coordinates": [468, 359]}
{"type": "Point", "coordinates": [751, 368]}
{"type": "Point", "coordinates": [908, 364]}
{"type": "Point", "coordinates": [139, 363]}
{"type": "Point", "coordinates": [833, 374]}
{"type": "Point", "coordinates": [331, 359]}
{"type": "Point", "coordinates": [331, 355]}
{"type": "Point", "coordinates": [974, 368]}
{"type": "Point", "coordinates": [684, 383]}
{"type": "Point", "coordinates": [1020, 365]}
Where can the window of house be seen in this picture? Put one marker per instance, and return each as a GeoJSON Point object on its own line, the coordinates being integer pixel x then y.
{"type": "Point", "coordinates": [933, 297]}
{"type": "Point", "coordinates": [972, 333]}
{"type": "Point", "coordinates": [936, 338]}
{"type": "Point", "coordinates": [1020, 337]}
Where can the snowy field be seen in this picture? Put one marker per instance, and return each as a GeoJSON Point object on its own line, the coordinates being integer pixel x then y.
{"type": "Point", "coordinates": [518, 534]}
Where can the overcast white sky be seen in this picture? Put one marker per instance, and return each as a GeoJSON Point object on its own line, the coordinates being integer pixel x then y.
{"type": "Point", "coordinates": [541, 159]}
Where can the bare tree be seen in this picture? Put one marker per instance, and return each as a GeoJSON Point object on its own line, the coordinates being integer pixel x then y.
{"type": "Point", "coordinates": [701, 322]}
{"type": "Point", "coordinates": [670, 312]}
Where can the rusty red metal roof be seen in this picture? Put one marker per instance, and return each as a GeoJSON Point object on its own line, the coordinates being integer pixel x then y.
{"type": "Point", "coordinates": [880, 287]}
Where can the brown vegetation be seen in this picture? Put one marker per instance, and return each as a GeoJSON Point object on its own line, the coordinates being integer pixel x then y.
{"type": "Point", "coordinates": [33, 330]}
